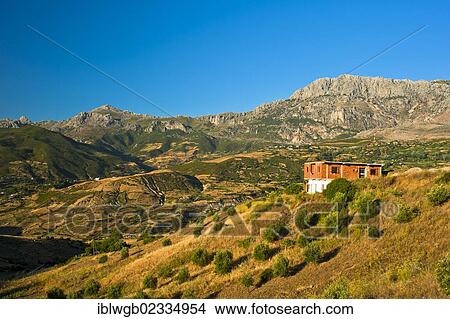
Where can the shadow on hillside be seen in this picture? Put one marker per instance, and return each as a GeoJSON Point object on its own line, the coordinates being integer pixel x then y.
{"type": "Point", "coordinates": [329, 255]}
{"type": "Point", "coordinates": [296, 269]}
{"type": "Point", "coordinates": [21, 257]}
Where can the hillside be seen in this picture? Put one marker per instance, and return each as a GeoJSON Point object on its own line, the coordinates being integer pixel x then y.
{"type": "Point", "coordinates": [35, 153]}
{"type": "Point", "coordinates": [396, 261]}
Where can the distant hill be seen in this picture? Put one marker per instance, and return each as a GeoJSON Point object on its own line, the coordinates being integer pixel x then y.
{"type": "Point", "coordinates": [38, 154]}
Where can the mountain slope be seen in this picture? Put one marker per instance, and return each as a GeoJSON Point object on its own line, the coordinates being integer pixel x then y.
{"type": "Point", "coordinates": [330, 107]}
{"type": "Point", "coordinates": [32, 151]}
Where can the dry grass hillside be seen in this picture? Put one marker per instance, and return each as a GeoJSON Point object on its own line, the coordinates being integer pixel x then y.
{"type": "Point", "coordinates": [400, 262]}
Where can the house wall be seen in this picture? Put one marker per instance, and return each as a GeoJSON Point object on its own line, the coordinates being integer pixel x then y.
{"type": "Point", "coordinates": [317, 185]}
{"type": "Point", "coordinates": [323, 170]}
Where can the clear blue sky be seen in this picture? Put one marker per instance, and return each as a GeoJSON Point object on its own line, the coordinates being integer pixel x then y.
{"type": "Point", "coordinates": [200, 57]}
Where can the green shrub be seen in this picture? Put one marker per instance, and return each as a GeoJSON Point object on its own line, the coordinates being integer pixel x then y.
{"type": "Point", "coordinates": [302, 240]}
{"type": "Point", "coordinates": [261, 252]}
{"type": "Point", "coordinates": [113, 243]}
{"type": "Point", "coordinates": [293, 189]}
{"type": "Point", "coordinates": [165, 271]}
{"type": "Point", "coordinates": [201, 257]}
{"type": "Point", "coordinates": [340, 185]}
{"type": "Point", "coordinates": [245, 243]}
{"type": "Point", "coordinates": [443, 274]}
{"type": "Point", "coordinates": [301, 219]}
{"type": "Point", "coordinates": [438, 194]}
{"type": "Point", "coordinates": [102, 259]}
{"type": "Point", "coordinates": [115, 291]}
{"type": "Point", "coordinates": [247, 280]}
{"type": "Point", "coordinates": [150, 281]}
{"type": "Point", "coordinates": [182, 275]}
{"type": "Point", "coordinates": [223, 261]}
{"type": "Point", "coordinates": [405, 213]}
{"type": "Point", "coordinates": [56, 293]}
{"type": "Point", "coordinates": [337, 290]}
{"type": "Point", "coordinates": [281, 266]}
{"type": "Point", "coordinates": [373, 232]}
{"type": "Point", "coordinates": [365, 205]}
{"type": "Point", "coordinates": [269, 235]}
{"type": "Point", "coordinates": [218, 226]}
{"type": "Point", "coordinates": [444, 178]}
{"type": "Point", "coordinates": [339, 199]}
{"type": "Point", "coordinates": [216, 217]}
{"type": "Point", "coordinates": [312, 252]}
{"type": "Point", "coordinates": [265, 276]}
{"type": "Point", "coordinates": [78, 294]}
{"type": "Point", "coordinates": [286, 243]}
{"type": "Point", "coordinates": [198, 231]}
{"type": "Point", "coordinates": [124, 253]}
{"type": "Point", "coordinates": [166, 242]}
{"type": "Point", "coordinates": [91, 288]}
{"type": "Point", "coordinates": [230, 211]}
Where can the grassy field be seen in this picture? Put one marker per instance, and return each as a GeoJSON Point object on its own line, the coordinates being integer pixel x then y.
{"type": "Point", "coordinates": [400, 262]}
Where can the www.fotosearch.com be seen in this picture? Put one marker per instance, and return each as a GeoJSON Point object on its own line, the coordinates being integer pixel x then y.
{"type": "Point", "coordinates": [243, 308]}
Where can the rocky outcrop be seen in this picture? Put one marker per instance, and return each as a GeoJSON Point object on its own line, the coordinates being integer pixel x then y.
{"type": "Point", "coordinates": [21, 121]}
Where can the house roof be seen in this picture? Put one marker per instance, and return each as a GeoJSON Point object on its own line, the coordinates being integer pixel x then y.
{"type": "Point", "coordinates": [345, 163]}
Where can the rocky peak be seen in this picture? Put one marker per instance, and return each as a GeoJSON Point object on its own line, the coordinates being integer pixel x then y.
{"type": "Point", "coordinates": [371, 88]}
{"type": "Point", "coordinates": [21, 121]}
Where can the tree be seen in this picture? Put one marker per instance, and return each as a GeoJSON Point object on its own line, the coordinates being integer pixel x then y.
{"type": "Point", "coordinates": [281, 266]}
{"type": "Point", "coordinates": [223, 261]}
{"type": "Point", "coordinates": [182, 275]}
{"type": "Point", "coordinates": [340, 185]}
{"type": "Point", "coordinates": [261, 252]}
{"type": "Point", "coordinates": [91, 288]}
{"type": "Point", "coordinates": [201, 257]}
{"type": "Point", "coordinates": [150, 282]}
{"type": "Point", "coordinates": [312, 252]}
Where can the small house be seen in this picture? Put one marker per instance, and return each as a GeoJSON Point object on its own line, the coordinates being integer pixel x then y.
{"type": "Point", "coordinates": [319, 174]}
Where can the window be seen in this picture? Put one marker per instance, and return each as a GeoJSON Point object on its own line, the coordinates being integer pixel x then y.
{"type": "Point", "coordinates": [373, 171]}
{"type": "Point", "coordinates": [307, 169]}
{"type": "Point", "coordinates": [362, 172]}
{"type": "Point", "coordinates": [312, 168]}
{"type": "Point", "coordinates": [334, 170]}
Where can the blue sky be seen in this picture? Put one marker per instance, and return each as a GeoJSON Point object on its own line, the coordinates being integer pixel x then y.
{"type": "Point", "coordinates": [200, 57]}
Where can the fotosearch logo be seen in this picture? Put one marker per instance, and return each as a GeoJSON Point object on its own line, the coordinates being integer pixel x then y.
{"type": "Point", "coordinates": [313, 219]}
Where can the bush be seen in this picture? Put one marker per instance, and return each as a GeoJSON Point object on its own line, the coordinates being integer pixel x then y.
{"type": "Point", "coordinates": [312, 252]}
{"type": "Point", "coordinates": [438, 194]}
{"type": "Point", "coordinates": [56, 293]}
{"type": "Point", "coordinates": [269, 235]}
{"type": "Point", "coordinates": [340, 185]}
{"type": "Point", "coordinates": [265, 276]}
{"type": "Point", "coordinates": [281, 266]}
{"type": "Point", "coordinates": [337, 290]}
{"type": "Point", "coordinates": [365, 205]}
{"type": "Point", "coordinates": [102, 259]}
{"type": "Point", "coordinates": [443, 274]}
{"type": "Point", "coordinates": [302, 240]}
{"type": "Point", "coordinates": [218, 226]}
{"type": "Point", "coordinates": [339, 199]}
{"type": "Point", "coordinates": [150, 282]}
{"type": "Point", "coordinates": [444, 178]}
{"type": "Point", "coordinates": [113, 243]}
{"type": "Point", "coordinates": [91, 288]}
{"type": "Point", "coordinates": [147, 238]}
{"type": "Point", "coordinates": [261, 252]}
{"type": "Point", "coordinates": [201, 257]}
{"type": "Point", "coordinates": [293, 189]}
{"type": "Point", "coordinates": [301, 219]}
{"type": "Point", "coordinates": [230, 211]}
{"type": "Point", "coordinates": [405, 213]}
{"type": "Point", "coordinates": [182, 275]}
{"type": "Point", "coordinates": [223, 260]}
{"type": "Point", "coordinates": [286, 243]}
{"type": "Point", "coordinates": [247, 280]}
{"type": "Point", "coordinates": [166, 242]}
{"type": "Point", "coordinates": [165, 271]}
{"type": "Point", "coordinates": [373, 232]}
{"type": "Point", "coordinates": [78, 294]}
{"type": "Point", "coordinates": [115, 291]}
{"type": "Point", "coordinates": [124, 253]}
{"type": "Point", "coordinates": [245, 243]}
{"type": "Point", "coordinates": [198, 231]}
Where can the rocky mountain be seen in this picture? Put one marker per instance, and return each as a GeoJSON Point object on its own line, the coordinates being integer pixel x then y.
{"type": "Point", "coordinates": [346, 105]}
{"type": "Point", "coordinates": [325, 109]}
{"type": "Point", "coordinates": [8, 123]}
